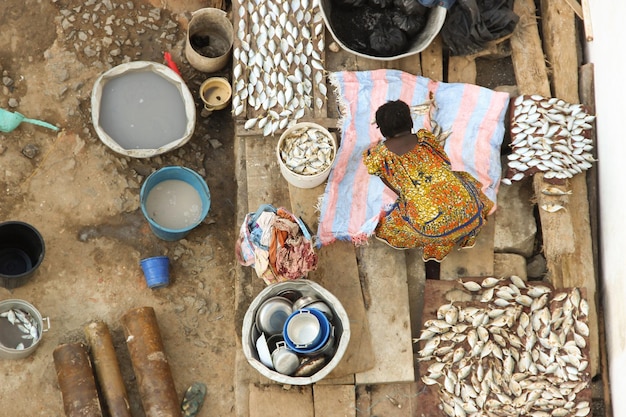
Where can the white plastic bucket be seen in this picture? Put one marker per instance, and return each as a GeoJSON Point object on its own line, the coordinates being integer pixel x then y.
{"type": "Point", "coordinates": [10, 335]}
{"type": "Point", "coordinates": [299, 180]}
{"type": "Point", "coordinates": [341, 325]}
{"type": "Point", "coordinates": [434, 24]}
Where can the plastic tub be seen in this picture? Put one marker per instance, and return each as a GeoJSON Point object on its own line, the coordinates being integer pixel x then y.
{"type": "Point", "coordinates": [436, 18]}
{"type": "Point", "coordinates": [300, 180]}
{"type": "Point", "coordinates": [341, 325]}
{"type": "Point", "coordinates": [153, 110]}
{"type": "Point", "coordinates": [22, 250]}
{"type": "Point", "coordinates": [158, 226]}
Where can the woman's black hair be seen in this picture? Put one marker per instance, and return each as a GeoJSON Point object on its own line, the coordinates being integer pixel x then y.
{"type": "Point", "coordinates": [393, 118]}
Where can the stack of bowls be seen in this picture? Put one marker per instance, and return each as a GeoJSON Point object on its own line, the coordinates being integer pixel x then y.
{"type": "Point", "coordinates": [307, 331]}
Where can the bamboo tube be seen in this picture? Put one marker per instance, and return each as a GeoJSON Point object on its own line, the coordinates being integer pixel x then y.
{"type": "Point", "coordinates": [108, 369]}
{"type": "Point", "coordinates": [154, 376]}
{"type": "Point", "coordinates": [76, 380]}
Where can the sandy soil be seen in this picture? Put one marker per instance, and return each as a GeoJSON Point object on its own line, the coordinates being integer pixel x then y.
{"type": "Point", "coordinates": [84, 199]}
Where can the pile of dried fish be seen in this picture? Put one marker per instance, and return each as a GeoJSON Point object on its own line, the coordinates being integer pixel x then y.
{"type": "Point", "coordinates": [25, 322]}
{"type": "Point", "coordinates": [307, 150]}
{"type": "Point", "coordinates": [551, 136]}
{"type": "Point", "coordinates": [278, 67]}
{"type": "Point", "coordinates": [520, 352]}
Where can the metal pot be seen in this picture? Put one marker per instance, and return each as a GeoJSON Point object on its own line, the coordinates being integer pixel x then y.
{"type": "Point", "coordinates": [272, 314]}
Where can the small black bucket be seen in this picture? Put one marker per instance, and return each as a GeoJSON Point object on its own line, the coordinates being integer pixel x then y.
{"type": "Point", "coordinates": [21, 252]}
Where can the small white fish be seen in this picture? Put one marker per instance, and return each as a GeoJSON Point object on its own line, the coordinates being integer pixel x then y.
{"type": "Point", "coordinates": [552, 208]}
{"type": "Point", "coordinates": [555, 191]}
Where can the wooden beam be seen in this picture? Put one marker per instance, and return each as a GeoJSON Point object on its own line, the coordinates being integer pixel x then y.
{"type": "Point", "coordinates": [588, 26]}
{"type": "Point", "coordinates": [576, 7]}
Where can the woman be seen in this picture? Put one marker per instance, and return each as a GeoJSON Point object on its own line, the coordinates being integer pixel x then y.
{"type": "Point", "coordinates": [436, 207]}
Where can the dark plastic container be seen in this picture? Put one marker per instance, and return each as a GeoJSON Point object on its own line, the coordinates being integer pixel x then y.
{"type": "Point", "coordinates": [22, 250]}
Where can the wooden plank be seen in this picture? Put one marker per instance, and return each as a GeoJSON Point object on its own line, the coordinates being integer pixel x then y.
{"type": "Point", "coordinates": [400, 400]}
{"type": "Point", "coordinates": [383, 271]}
{"type": "Point", "coordinates": [266, 185]}
{"type": "Point", "coordinates": [432, 60]}
{"type": "Point", "coordinates": [338, 260]}
{"type": "Point", "coordinates": [576, 8]}
{"type": "Point", "coordinates": [570, 264]}
{"type": "Point", "coordinates": [276, 401]}
{"type": "Point", "coordinates": [588, 25]}
{"type": "Point", "coordinates": [461, 69]}
{"type": "Point", "coordinates": [334, 400]}
{"type": "Point", "coordinates": [560, 45]}
{"type": "Point", "coordinates": [527, 53]}
{"type": "Point", "coordinates": [477, 261]}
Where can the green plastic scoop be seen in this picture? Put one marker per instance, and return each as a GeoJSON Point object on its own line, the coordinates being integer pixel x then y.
{"type": "Point", "coordinates": [9, 121]}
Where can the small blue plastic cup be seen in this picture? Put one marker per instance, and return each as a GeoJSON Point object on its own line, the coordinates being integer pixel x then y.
{"type": "Point", "coordinates": [156, 270]}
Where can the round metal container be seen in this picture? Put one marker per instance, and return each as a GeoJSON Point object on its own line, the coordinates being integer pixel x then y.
{"type": "Point", "coordinates": [273, 314]}
{"type": "Point", "coordinates": [11, 335]}
{"type": "Point", "coordinates": [341, 324]}
{"type": "Point", "coordinates": [285, 360]}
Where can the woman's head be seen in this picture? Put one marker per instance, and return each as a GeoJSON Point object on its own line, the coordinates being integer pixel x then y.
{"type": "Point", "coordinates": [393, 118]}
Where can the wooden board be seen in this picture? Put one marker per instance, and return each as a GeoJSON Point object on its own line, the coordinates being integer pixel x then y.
{"type": "Point", "coordinates": [276, 401]}
{"type": "Point", "coordinates": [477, 261]}
{"type": "Point", "coordinates": [395, 400]}
{"type": "Point", "coordinates": [337, 271]}
{"type": "Point", "coordinates": [566, 235]}
{"type": "Point", "coordinates": [383, 270]}
{"type": "Point", "coordinates": [334, 400]}
{"type": "Point", "coordinates": [446, 292]}
{"type": "Point", "coordinates": [266, 184]}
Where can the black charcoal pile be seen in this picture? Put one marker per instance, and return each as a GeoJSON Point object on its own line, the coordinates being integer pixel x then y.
{"type": "Point", "coordinates": [382, 28]}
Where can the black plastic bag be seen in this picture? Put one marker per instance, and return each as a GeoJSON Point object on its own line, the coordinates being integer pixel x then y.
{"type": "Point", "coordinates": [388, 40]}
{"type": "Point", "coordinates": [411, 24]}
{"type": "Point", "coordinates": [383, 4]}
{"type": "Point", "coordinates": [471, 24]}
{"type": "Point", "coordinates": [347, 4]}
{"type": "Point", "coordinates": [410, 7]}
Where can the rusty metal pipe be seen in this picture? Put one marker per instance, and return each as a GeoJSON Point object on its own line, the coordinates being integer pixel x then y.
{"type": "Point", "coordinates": [76, 380]}
{"type": "Point", "coordinates": [147, 354]}
{"type": "Point", "coordinates": [108, 369]}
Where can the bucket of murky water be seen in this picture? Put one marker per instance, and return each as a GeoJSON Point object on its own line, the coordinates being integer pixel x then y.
{"type": "Point", "coordinates": [174, 200]}
{"type": "Point", "coordinates": [209, 40]}
{"type": "Point", "coordinates": [22, 250]}
{"type": "Point", "coordinates": [21, 327]}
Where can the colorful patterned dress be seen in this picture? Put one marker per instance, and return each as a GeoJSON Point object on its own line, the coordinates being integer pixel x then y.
{"type": "Point", "coordinates": [436, 207]}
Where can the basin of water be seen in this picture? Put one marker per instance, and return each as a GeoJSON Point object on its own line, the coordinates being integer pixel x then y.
{"type": "Point", "coordinates": [142, 109]}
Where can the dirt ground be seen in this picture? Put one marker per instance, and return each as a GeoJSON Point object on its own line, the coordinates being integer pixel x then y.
{"type": "Point", "coordinates": [84, 199]}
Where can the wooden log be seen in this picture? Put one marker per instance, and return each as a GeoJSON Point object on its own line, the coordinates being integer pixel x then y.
{"type": "Point", "coordinates": [147, 354]}
{"type": "Point", "coordinates": [108, 370]}
{"type": "Point", "coordinates": [76, 380]}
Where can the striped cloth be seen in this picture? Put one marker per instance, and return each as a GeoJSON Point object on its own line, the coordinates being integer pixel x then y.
{"type": "Point", "coordinates": [353, 199]}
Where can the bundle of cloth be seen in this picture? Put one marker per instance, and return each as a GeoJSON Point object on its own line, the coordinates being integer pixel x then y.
{"type": "Point", "coordinates": [276, 244]}
{"type": "Point", "coordinates": [473, 116]}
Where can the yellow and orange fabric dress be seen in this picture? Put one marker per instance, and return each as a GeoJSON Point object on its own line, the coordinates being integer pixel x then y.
{"type": "Point", "coordinates": [436, 207]}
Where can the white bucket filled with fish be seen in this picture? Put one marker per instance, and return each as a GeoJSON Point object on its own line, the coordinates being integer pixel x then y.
{"type": "Point", "coordinates": [306, 152]}
{"type": "Point", "coordinates": [142, 109]}
{"type": "Point", "coordinates": [21, 327]}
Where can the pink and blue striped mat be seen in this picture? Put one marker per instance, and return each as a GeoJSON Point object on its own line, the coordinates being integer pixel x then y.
{"type": "Point", "coordinates": [353, 199]}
